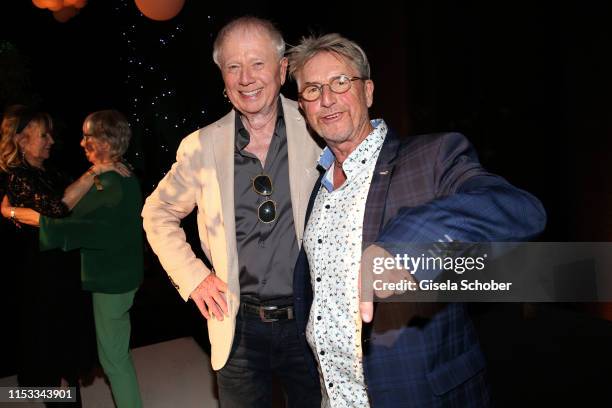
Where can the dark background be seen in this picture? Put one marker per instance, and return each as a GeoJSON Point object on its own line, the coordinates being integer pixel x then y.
{"type": "Point", "coordinates": [528, 83]}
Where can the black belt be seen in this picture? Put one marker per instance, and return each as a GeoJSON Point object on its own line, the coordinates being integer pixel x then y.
{"type": "Point", "coordinates": [268, 313]}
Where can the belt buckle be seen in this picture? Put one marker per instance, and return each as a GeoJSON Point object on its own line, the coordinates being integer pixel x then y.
{"type": "Point", "coordinates": [262, 315]}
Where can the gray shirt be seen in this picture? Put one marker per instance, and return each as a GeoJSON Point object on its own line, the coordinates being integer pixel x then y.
{"type": "Point", "coordinates": [266, 252]}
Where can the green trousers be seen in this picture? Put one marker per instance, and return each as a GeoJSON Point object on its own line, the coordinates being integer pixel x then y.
{"type": "Point", "coordinates": [111, 313]}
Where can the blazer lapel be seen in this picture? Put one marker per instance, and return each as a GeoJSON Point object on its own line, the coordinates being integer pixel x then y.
{"type": "Point", "coordinates": [377, 196]}
{"type": "Point", "coordinates": [223, 150]}
{"type": "Point", "coordinates": [303, 154]}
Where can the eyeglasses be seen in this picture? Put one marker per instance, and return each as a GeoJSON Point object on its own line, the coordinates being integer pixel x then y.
{"type": "Point", "coordinates": [339, 85]}
{"type": "Point", "coordinates": [266, 211]}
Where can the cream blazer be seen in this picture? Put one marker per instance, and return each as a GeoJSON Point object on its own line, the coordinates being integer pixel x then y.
{"type": "Point", "coordinates": [203, 177]}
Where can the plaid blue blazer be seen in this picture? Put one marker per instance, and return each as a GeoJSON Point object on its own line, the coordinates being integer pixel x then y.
{"type": "Point", "coordinates": [423, 189]}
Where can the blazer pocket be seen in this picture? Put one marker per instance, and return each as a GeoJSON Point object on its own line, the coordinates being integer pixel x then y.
{"type": "Point", "coordinates": [456, 371]}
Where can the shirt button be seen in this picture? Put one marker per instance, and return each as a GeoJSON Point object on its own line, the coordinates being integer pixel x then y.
{"type": "Point", "coordinates": [320, 241]}
{"type": "Point", "coordinates": [327, 206]}
{"type": "Point", "coordinates": [319, 279]}
{"type": "Point", "coordinates": [363, 161]}
{"type": "Point", "coordinates": [318, 317]}
{"type": "Point", "coordinates": [322, 352]}
{"type": "Point", "coordinates": [331, 385]}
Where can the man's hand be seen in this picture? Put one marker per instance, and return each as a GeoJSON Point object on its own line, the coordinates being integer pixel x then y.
{"type": "Point", "coordinates": [209, 296]}
{"type": "Point", "coordinates": [367, 276]}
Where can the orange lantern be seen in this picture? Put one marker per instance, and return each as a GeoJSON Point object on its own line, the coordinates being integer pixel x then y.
{"type": "Point", "coordinates": [54, 5]}
{"type": "Point", "coordinates": [160, 10]}
{"type": "Point", "coordinates": [41, 4]}
{"type": "Point", "coordinates": [75, 3]}
{"type": "Point", "coordinates": [65, 14]}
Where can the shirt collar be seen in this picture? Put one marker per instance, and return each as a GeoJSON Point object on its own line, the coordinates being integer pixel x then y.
{"type": "Point", "coordinates": [359, 158]}
{"type": "Point", "coordinates": [242, 135]}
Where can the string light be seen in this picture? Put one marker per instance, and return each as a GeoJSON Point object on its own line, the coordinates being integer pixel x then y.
{"type": "Point", "coordinates": [151, 88]}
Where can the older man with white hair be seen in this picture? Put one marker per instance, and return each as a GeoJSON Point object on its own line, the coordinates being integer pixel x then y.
{"type": "Point", "coordinates": [250, 175]}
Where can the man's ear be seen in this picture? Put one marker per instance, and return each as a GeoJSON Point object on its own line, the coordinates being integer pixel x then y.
{"type": "Point", "coordinates": [283, 69]}
{"type": "Point", "coordinates": [369, 91]}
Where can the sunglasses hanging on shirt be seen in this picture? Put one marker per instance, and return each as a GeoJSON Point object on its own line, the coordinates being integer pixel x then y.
{"type": "Point", "coordinates": [266, 211]}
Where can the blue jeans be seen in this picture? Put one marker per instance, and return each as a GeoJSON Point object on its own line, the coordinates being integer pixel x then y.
{"type": "Point", "coordinates": [260, 350]}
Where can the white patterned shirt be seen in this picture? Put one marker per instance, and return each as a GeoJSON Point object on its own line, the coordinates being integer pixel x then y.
{"type": "Point", "coordinates": [332, 241]}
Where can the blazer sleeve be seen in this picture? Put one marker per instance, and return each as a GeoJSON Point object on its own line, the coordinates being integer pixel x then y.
{"type": "Point", "coordinates": [472, 205]}
{"type": "Point", "coordinates": [173, 199]}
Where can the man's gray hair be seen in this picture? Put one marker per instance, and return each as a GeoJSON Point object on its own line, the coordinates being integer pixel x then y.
{"type": "Point", "coordinates": [333, 43]}
{"type": "Point", "coordinates": [249, 23]}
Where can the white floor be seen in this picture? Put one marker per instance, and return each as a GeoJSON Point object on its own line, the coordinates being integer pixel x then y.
{"type": "Point", "coordinates": [174, 374]}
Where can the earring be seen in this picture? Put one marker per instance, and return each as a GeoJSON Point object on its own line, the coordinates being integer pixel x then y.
{"type": "Point", "coordinates": [227, 99]}
{"type": "Point", "coordinates": [19, 148]}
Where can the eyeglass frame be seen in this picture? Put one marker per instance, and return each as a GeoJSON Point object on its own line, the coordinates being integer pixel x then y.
{"type": "Point", "coordinates": [88, 136]}
{"type": "Point", "coordinates": [267, 196]}
{"type": "Point", "coordinates": [320, 87]}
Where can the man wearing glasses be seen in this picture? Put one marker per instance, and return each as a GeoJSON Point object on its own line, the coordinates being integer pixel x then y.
{"type": "Point", "coordinates": [250, 175]}
{"type": "Point", "coordinates": [379, 188]}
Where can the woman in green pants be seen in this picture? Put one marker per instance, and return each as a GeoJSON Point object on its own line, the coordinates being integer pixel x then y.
{"type": "Point", "coordinates": [105, 225]}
